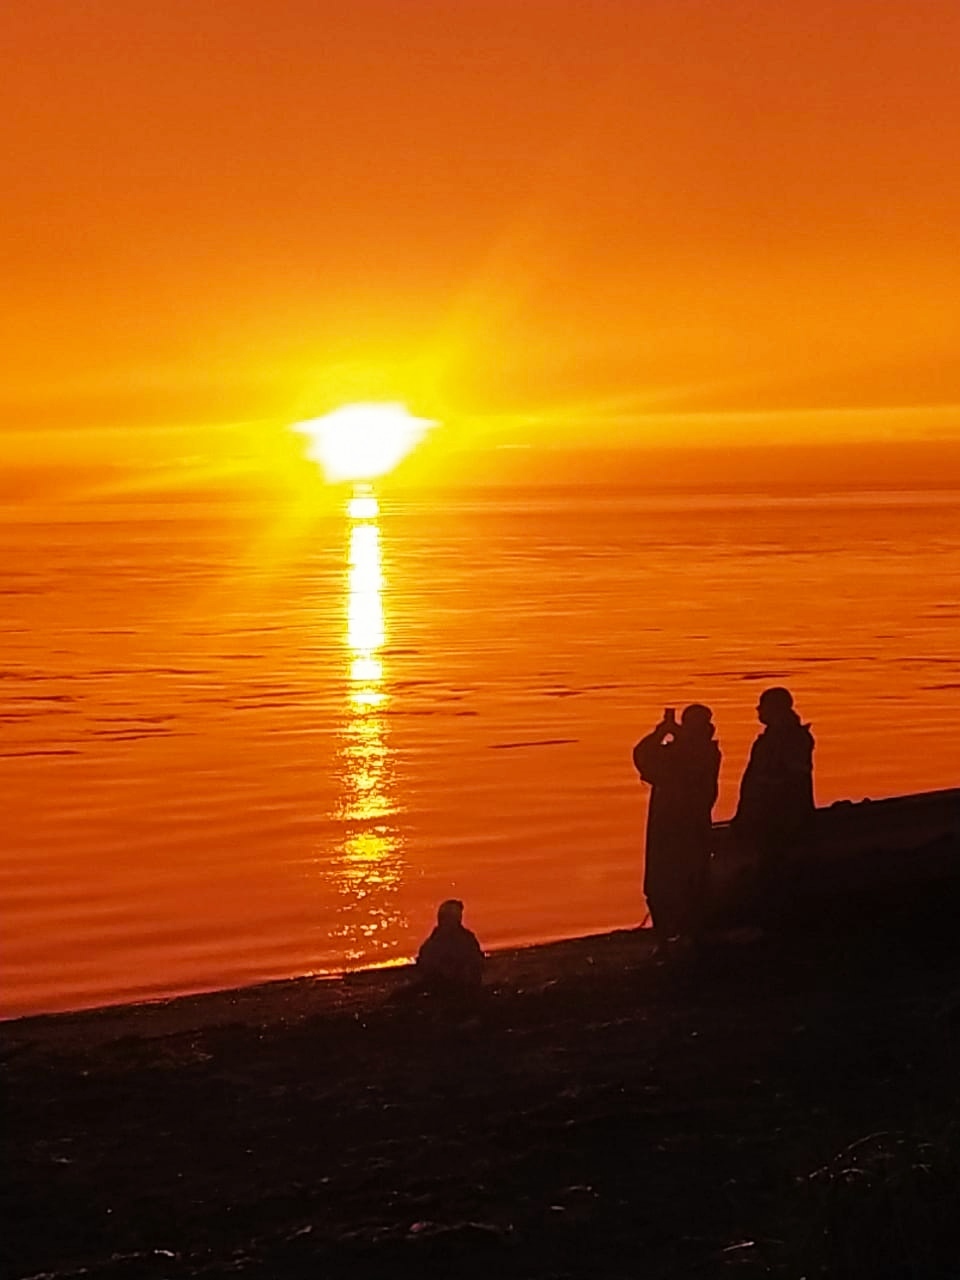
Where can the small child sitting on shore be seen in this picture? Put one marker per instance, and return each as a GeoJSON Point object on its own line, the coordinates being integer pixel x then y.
{"type": "Point", "coordinates": [450, 960]}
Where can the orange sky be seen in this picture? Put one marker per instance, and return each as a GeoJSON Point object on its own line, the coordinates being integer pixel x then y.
{"type": "Point", "coordinates": [616, 221]}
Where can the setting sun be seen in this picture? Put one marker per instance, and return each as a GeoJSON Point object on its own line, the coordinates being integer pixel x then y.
{"type": "Point", "coordinates": [362, 441]}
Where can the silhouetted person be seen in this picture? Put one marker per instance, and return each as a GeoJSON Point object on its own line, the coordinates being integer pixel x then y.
{"type": "Point", "coordinates": [775, 812]}
{"type": "Point", "coordinates": [450, 960]}
{"type": "Point", "coordinates": [682, 764]}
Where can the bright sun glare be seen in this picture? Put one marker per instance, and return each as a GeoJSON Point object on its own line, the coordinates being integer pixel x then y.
{"type": "Point", "coordinates": [362, 441]}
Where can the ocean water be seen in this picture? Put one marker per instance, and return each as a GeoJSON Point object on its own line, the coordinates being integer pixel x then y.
{"type": "Point", "coordinates": [242, 746]}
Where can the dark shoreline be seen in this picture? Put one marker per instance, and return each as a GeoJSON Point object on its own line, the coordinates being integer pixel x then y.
{"type": "Point", "coordinates": [784, 1105]}
{"type": "Point", "coordinates": [279, 1001]}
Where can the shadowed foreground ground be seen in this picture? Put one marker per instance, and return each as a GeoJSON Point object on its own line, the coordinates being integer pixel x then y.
{"type": "Point", "coordinates": [785, 1107]}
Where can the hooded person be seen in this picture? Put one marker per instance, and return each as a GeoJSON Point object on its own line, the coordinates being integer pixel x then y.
{"type": "Point", "coordinates": [776, 808]}
{"type": "Point", "coordinates": [450, 959]}
{"type": "Point", "coordinates": [681, 762]}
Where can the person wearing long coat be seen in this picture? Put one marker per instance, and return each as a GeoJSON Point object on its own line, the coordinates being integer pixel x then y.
{"type": "Point", "coordinates": [681, 762]}
{"type": "Point", "coordinates": [775, 812]}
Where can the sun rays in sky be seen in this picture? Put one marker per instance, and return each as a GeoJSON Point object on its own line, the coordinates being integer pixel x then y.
{"type": "Point", "coordinates": [546, 225]}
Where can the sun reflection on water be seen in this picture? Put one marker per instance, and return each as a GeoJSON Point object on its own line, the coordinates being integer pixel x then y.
{"type": "Point", "coordinates": [369, 868]}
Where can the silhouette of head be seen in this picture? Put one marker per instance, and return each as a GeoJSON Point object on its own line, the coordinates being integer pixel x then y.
{"type": "Point", "coordinates": [697, 721]}
{"type": "Point", "coordinates": [450, 912]}
{"type": "Point", "coordinates": [775, 706]}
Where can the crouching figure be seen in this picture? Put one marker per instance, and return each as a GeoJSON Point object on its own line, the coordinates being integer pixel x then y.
{"type": "Point", "coordinates": [450, 960]}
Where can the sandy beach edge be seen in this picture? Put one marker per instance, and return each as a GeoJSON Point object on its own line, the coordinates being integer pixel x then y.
{"type": "Point", "coordinates": [283, 1001]}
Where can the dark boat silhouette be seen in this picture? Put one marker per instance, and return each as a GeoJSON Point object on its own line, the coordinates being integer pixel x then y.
{"type": "Point", "coordinates": [889, 852]}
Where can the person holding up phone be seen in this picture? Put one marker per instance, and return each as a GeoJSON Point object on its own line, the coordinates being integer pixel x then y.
{"type": "Point", "coordinates": [681, 763]}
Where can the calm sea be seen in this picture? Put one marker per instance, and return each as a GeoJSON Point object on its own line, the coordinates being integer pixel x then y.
{"type": "Point", "coordinates": [240, 748]}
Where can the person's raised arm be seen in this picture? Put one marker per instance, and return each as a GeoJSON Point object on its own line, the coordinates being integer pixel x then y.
{"type": "Point", "coordinates": [648, 753]}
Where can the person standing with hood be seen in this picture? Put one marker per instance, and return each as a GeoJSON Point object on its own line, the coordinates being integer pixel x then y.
{"type": "Point", "coordinates": [681, 762]}
{"type": "Point", "coordinates": [776, 808]}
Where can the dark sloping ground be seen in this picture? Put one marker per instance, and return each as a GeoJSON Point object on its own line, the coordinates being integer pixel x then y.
{"type": "Point", "coordinates": [786, 1105]}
